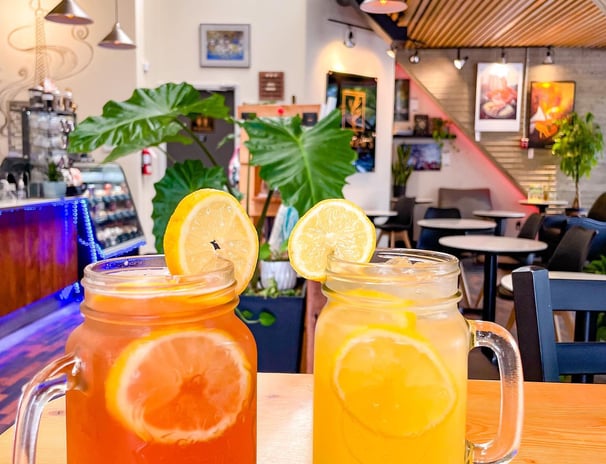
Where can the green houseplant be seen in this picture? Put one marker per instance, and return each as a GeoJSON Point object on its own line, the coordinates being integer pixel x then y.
{"type": "Point", "coordinates": [401, 170]}
{"type": "Point", "coordinates": [306, 165]}
{"type": "Point", "coordinates": [578, 144]}
{"type": "Point", "coordinates": [55, 185]}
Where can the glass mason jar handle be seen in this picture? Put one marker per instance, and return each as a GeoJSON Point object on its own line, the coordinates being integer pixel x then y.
{"type": "Point", "coordinates": [504, 448]}
{"type": "Point", "coordinates": [51, 382]}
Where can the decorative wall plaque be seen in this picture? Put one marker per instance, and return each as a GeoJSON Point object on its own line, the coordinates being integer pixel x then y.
{"type": "Point", "coordinates": [271, 85]}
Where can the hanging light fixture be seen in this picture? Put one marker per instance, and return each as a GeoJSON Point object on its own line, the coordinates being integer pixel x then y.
{"type": "Point", "coordinates": [383, 6]}
{"type": "Point", "coordinates": [549, 57]}
{"type": "Point", "coordinates": [68, 12]}
{"type": "Point", "coordinates": [350, 38]}
{"type": "Point", "coordinates": [415, 59]}
{"type": "Point", "coordinates": [459, 62]}
{"type": "Point", "coordinates": [117, 39]}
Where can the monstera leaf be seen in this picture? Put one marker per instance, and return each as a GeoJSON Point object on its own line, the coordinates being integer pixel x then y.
{"type": "Point", "coordinates": [306, 165]}
{"type": "Point", "coordinates": [148, 118]}
{"type": "Point", "coordinates": [179, 181]}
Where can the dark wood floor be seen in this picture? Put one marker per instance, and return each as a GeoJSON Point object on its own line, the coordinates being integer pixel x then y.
{"type": "Point", "coordinates": [25, 352]}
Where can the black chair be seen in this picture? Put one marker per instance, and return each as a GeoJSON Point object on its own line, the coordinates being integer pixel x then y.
{"type": "Point", "coordinates": [429, 238]}
{"type": "Point", "coordinates": [570, 256]}
{"type": "Point", "coordinates": [530, 230]}
{"type": "Point", "coordinates": [536, 297]}
{"type": "Point", "coordinates": [598, 245]}
{"type": "Point", "coordinates": [402, 223]}
{"type": "Point", "coordinates": [598, 209]}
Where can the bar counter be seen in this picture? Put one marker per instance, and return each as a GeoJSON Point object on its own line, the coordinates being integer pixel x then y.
{"type": "Point", "coordinates": [563, 423]}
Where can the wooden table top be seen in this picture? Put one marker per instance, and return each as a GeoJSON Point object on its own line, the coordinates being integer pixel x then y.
{"type": "Point", "coordinates": [563, 423]}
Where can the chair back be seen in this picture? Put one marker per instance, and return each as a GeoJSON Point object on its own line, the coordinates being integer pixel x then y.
{"type": "Point", "coordinates": [598, 245]}
{"type": "Point", "coordinates": [572, 251]}
{"type": "Point", "coordinates": [536, 296]}
{"type": "Point", "coordinates": [429, 238]}
{"type": "Point", "coordinates": [466, 200]}
{"type": "Point", "coordinates": [405, 207]}
{"type": "Point", "coordinates": [532, 225]}
{"type": "Point", "coordinates": [598, 209]}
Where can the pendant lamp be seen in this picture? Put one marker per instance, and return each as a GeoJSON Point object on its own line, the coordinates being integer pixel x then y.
{"type": "Point", "coordinates": [383, 6]}
{"type": "Point", "coordinates": [117, 39]}
{"type": "Point", "coordinates": [68, 12]}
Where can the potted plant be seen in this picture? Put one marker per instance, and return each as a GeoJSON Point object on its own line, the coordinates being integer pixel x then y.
{"type": "Point", "coordinates": [578, 144]}
{"type": "Point", "coordinates": [55, 185]}
{"type": "Point", "coordinates": [276, 271]}
{"type": "Point", "coordinates": [401, 169]}
{"type": "Point", "coordinates": [306, 165]}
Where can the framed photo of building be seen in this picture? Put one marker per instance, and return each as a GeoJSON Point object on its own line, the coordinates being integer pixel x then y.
{"type": "Point", "coordinates": [498, 97]}
{"type": "Point", "coordinates": [225, 45]}
{"type": "Point", "coordinates": [549, 102]}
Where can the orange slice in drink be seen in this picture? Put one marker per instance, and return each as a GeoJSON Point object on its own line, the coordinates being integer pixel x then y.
{"type": "Point", "coordinates": [393, 382]}
{"type": "Point", "coordinates": [334, 226]}
{"type": "Point", "coordinates": [209, 223]}
{"type": "Point", "coordinates": [161, 388]}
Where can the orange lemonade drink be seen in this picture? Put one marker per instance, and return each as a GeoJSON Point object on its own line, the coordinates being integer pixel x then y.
{"type": "Point", "coordinates": [167, 371]}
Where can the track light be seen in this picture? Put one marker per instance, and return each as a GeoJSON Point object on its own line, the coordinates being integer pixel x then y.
{"type": "Point", "coordinates": [350, 38]}
{"type": "Point", "coordinates": [503, 56]}
{"type": "Point", "coordinates": [392, 50]}
{"type": "Point", "coordinates": [459, 62]}
{"type": "Point", "coordinates": [548, 57]}
{"type": "Point", "coordinates": [414, 59]}
{"type": "Point", "coordinates": [383, 6]}
{"type": "Point", "coordinates": [68, 12]}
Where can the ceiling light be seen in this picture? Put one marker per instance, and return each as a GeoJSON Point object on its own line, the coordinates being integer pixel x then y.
{"type": "Point", "coordinates": [459, 62]}
{"type": "Point", "coordinates": [548, 57]}
{"type": "Point", "coordinates": [392, 50]}
{"type": "Point", "coordinates": [503, 56]}
{"type": "Point", "coordinates": [383, 6]}
{"type": "Point", "coordinates": [350, 38]}
{"type": "Point", "coordinates": [117, 39]}
{"type": "Point", "coordinates": [68, 12]}
{"type": "Point", "coordinates": [414, 59]}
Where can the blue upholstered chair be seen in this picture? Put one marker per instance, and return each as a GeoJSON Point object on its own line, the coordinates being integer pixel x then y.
{"type": "Point", "coordinates": [536, 297]}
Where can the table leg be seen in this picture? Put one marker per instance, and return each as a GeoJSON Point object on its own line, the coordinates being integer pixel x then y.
{"type": "Point", "coordinates": [498, 230]}
{"type": "Point", "coordinates": [490, 290]}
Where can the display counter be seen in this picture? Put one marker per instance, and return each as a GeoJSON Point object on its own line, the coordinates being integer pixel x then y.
{"type": "Point", "coordinates": [38, 257]}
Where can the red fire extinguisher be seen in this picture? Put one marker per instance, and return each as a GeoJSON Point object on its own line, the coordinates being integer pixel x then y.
{"type": "Point", "coordinates": [146, 162]}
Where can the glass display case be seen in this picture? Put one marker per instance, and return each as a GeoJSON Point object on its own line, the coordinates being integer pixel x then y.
{"type": "Point", "coordinates": [110, 226]}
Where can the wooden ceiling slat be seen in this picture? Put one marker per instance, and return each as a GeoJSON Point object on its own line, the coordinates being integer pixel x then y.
{"type": "Point", "coordinates": [503, 23]}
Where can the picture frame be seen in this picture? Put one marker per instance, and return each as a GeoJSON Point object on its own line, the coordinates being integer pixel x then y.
{"type": "Point", "coordinates": [549, 101]}
{"type": "Point", "coordinates": [421, 125]}
{"type": "Point", "coordinates": [225, 45]}
{"type": "Point", "coordinates": [498, 97]}
{"type": "Point", "coordinates": [425, 156]}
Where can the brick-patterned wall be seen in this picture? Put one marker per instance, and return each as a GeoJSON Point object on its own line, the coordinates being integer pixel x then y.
{"type": "Point", "coordinates": [455, 91]}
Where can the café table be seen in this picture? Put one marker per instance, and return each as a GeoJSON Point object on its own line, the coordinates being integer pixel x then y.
{"type": "Point", "coordinates": [542, 205]}
{"type": "Point", "coordinates": [507, 281]}
{"type": "Point", "coordinates": [491, 246]}
{"type": "Point", "coordinates": [499, 216]}
{"type": "Point", "coordinates": [375, 213]}
{"type": "Point", "coordinates": [563, 423]}
{"type": "Point", "coordinates": [459, 225]}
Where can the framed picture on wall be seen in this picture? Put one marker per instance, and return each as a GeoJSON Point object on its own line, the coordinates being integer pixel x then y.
{"type": "Point", "coordinates": [498, 97]}
{"type": "Point", "coordinates": [425, 156]}
{"type": "Point", "coordinates": [356, 97]}
{"type": "Point", "coordinates": [549, 102]}
{"type": "Point", "coordinates": [225, 45]}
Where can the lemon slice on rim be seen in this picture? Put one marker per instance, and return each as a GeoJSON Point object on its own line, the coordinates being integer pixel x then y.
{"type": "Point", "coordinates": [393, 382]}
{"type": "Point", "coordinates": [209, 223]}
{"type": "Point", "coordinates": [334, 226]}
{"type": "Point", "coordinates": [162, 389]}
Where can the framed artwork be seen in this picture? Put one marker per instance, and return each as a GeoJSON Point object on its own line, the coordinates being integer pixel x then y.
{"type": "Point", "coordinates": [421, 126]}
{"type": "Point", "coordinates": [356, 97]}
{"type": "Point", "coordinates": [401, 106]}
{"type": "Point", "coordinates": [425, 156]}
{"type": "Point", "coordinates": [498, 97]}
{"type": "Point", "coordinates": [549, 102]}
{"type": "Point", "coordinates": [225, 45]}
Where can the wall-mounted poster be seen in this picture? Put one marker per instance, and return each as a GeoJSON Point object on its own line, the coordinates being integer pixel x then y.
{"type": "Point", "coordinates": [549, 102]}
{"type": "Point", "coordinates": [498, 88]}
{"type": "Point", "coordinates": [425, 156]}
{"type": "Point", "coordinates": [401, 106]}
{"type": "Point", "coordinates": [225, 45]}
{"type": "Point", "coordinates": [356, 96]}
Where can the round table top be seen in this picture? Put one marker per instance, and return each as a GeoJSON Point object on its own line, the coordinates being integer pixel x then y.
{"type": "Point", "coordinates": [380, 212]}
{"type": "Point", "coordinates": [507, 281]}
{"type": "Point", "coordinates": [492, 243]}
{"type": "Point", "coordinates": [498, 213]}
{"type": "Point", "coordinates": [543, 202]}
{"type": "Point", "coordinates": [456, 224]}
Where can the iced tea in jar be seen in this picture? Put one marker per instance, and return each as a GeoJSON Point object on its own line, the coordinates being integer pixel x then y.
{"type": "Point", "coordinates": [160, 371]}
{"type": "Point", "coordinates": [390, 365]}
